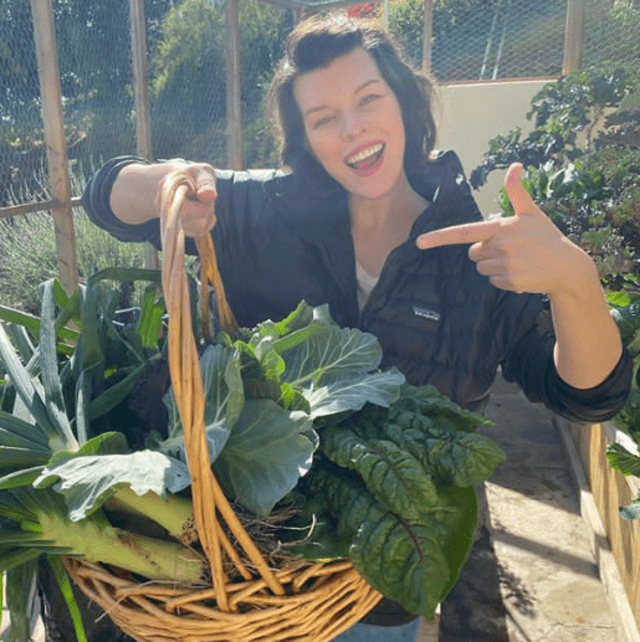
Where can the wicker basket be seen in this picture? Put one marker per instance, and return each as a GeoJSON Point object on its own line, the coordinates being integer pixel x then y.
{"type": "Point", "coordinates": [308, 601]}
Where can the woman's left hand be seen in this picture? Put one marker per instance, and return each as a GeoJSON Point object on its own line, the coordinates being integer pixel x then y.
{"type": "Point", "coordinates": [523, 253]}
{"type": "Point", "coordinates": [528, 253]}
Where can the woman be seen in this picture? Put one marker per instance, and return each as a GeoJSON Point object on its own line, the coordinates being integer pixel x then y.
{"type": "Point", "coordinates": [369, 220]}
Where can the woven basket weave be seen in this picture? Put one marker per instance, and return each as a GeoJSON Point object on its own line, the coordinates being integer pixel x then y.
{"type": "Point", "coordinates": [306, 601]}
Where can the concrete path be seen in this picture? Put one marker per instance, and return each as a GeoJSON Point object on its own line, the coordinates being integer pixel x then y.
{"type": "Point", "coordinates": [532, 576]}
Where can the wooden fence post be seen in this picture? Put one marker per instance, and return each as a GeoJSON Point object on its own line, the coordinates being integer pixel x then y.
{"type": "Point", "coordinates": [56, 144]}
{"type": "Point", "coordinates": [141, 102]}
{"type": "Point", "coordinates": [574, 36]}
{"type": "Point", "coordinates": [427, 36]}
{"type": "Point", "coordinates": [140, 79]}
{"type": "Point", "coordinates": [232, 57]}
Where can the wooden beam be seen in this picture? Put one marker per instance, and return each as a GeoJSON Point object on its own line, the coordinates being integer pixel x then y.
{"type": "Point", "coordinates": [140, 79]}
{"type": "Point", "coordinates": [39, 206]}
{"type": "Point", "coordinates": [144, 145]}
{"type": "Point", "coordinates": [56, 145]}
{"type": "Point", "coordinates": [574, 36]}
{"type": "Point", "coordinates": [232, 59]}
{"type": "Point", "coordinates": [427, 36]}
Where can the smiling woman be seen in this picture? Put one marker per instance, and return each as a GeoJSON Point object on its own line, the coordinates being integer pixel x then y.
{"type": "Point", "coordinates": [354, 128]}
{"type": "Point", "coordinates": [353, 125]}
{"type": "Point", "coordinates": [357, 219]}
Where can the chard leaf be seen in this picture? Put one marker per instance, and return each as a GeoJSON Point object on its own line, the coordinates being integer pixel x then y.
{"type": "Point", "coordinates": [440, 411]}
{"type": "Point", "coordinates": [393, 476]}
{"type": "Point", "coordinates": [412, 561]}
{"type": "Point", "coordinates": [464, 458]}
{"type": "Point", "coordinates": [400, 560]}
{"type": "Point", "coordinates": [88, 481]}
{"type": "Point", "coordinates": [269, 449]}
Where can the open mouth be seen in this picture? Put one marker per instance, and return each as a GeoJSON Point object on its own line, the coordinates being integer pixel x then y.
{"type": "Point", "coordinates": [366, 158]}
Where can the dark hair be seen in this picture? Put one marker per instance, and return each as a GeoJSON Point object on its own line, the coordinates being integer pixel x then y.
{"type": "Point", "coordinates": [315, 43]}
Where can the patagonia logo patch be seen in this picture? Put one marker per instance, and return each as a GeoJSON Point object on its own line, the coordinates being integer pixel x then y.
{"type": "Point", "coordinates": [426, 313]}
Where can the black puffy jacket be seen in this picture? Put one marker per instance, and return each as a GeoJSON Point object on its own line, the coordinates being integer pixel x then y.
{"type": "Point", "coordinates": [437, 319]}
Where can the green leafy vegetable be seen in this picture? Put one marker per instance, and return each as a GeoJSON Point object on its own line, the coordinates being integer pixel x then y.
{"type": "Point", "coordinates": [384, 471]}
{"type": "Point", "coordinates": [394, 487]}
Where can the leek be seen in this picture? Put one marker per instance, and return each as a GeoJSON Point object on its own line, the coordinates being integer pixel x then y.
{"type": "Point", "coordinates": [42, 526]}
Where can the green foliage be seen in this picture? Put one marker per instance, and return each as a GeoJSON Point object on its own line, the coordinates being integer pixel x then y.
{"type": "Point", "coordinates": [259, 442]}
{"type": "Point", "coordinates": [583, 162]}
{"type": "Point", "coordinates": [625, 310]}
{"type": "Point", "coordinates": [614, 26]}
{"type": "Point", "coordinates": [463, 30]}
{"type": "Point", "coordinates": [28, 254]}
{"type": "Point", "coordinates": [94, 59]}
{"type": "Point", "coordinates": [269, 392]}
{"type": "Point", "coordinates": [583, 169]}
{"type": "Point", "coordinates": [188, 76]}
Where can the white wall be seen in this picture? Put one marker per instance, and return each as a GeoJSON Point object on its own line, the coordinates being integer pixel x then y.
{"type": "Point", "coordinates": [472, 114]}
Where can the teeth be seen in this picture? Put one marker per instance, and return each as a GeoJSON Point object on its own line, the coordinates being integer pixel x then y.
{"type": "Point", "coordinates": [365, 153]}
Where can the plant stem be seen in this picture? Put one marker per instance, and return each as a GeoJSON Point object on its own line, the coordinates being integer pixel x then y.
{"type": "Point", "coordinates": [174, 513]}
{"type": "Point", "coordinates": [97, 541]}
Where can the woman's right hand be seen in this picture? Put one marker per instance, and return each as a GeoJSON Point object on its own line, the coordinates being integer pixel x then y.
{"type": "Point", "coordinates": [136, 194]}
{"type": "Point", "coordinates": [197, 212]}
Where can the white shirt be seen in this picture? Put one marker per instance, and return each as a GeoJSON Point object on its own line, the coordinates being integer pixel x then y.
{"type": "Point", "coordinates": [366, 283]}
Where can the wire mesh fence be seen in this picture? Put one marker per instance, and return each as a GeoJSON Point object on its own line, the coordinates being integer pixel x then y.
{"type": "Point", "coordinates": [21, 125]}
{"type": "Point", "coordinates": [487, 39]}
{"type": "Point", "coordinates": [612, 31]}
{"type": "Point", "coordinates": [472, 40]}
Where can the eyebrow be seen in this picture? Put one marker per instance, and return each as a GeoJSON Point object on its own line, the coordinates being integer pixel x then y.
{"type": "Point", "coordinates": [364, 85]}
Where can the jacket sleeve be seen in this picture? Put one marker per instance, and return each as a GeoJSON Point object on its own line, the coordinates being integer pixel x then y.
{"type": "Point", "coordinates": [95, 200]}
{"type": "Point", "coordinates": [530, 363]}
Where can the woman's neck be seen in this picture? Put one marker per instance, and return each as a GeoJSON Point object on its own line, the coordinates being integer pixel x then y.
{"type": "Point", "coordinates": [378, 226]}
{"type": "Point", "coordinates": [387, 211]}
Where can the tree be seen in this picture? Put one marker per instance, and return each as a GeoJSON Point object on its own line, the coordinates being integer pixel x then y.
{"type": "Point", "coordinates": [188, 73]}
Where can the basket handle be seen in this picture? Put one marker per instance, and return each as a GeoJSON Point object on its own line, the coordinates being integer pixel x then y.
{"type": "Point", "coordinates": [186, 379]}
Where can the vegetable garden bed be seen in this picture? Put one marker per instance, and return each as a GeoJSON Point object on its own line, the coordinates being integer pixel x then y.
{"type": "Point", "coordinates": [602, 491]}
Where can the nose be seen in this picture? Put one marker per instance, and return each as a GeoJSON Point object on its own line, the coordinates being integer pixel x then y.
{"type": "Point", "coordinates": [353, 125]}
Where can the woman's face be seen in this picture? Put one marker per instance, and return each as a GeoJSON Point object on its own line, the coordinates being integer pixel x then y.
{"type": "Point", "coordinates": [353, 124]}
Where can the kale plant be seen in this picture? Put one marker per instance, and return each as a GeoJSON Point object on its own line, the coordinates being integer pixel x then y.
{"type": "Point", "coordinates": [583, 163]}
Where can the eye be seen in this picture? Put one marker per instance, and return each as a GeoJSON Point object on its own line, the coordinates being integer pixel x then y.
{"type": "Point", "coordinates": [324, 120]}
{"type": "Point", "coordinates": [368, 98]}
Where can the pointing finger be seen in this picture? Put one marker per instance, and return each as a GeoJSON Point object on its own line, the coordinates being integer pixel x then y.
{"type": "Point", "coordinates": [518, 195]}
{"type": "Point", "coordinates": [459, 234]}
